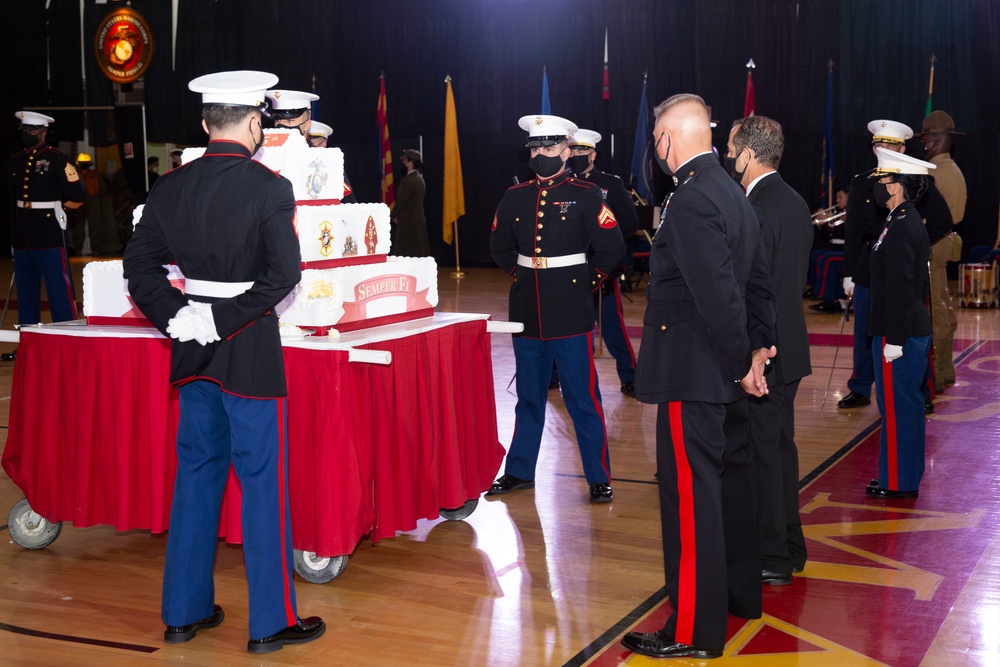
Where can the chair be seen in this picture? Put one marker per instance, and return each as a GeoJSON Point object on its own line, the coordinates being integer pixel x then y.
{"type": "Point", "coordinates": [640, 261]}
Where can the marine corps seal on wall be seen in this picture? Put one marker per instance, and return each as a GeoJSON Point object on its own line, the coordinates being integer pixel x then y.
{"type": "Point", "coordinates": [123, 45]}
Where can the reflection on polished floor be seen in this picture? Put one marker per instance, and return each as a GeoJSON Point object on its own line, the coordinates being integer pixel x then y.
{"type": "Point", "coordinates": [542, 577]}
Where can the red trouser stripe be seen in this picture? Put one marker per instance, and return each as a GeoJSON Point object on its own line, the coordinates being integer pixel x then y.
{"type": "Point", "coordinates": [283, 513]}
{"type": "Point", "coordinates": [598, 406]}
{"type": "Point", "coordinates": [688, 570]}
{"type": "Point", "coordinates": [891, 444]}
{"type": "Point", "coordinates": [620, 315]}
{"type": "Point", "coordinates": [66, 283]}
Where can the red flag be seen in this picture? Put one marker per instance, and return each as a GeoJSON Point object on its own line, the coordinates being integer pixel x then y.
{"type": "Point", "coordinates": [385, 152]}
{"type": "Point", "coordinates": [605, 91]}
{"type": "Point", "coordinates": [749, 106]}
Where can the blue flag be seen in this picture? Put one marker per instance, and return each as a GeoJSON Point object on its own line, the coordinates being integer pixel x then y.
{"type": "Point", "coordinates": [546, 107]}
{"type": "Point", "coordinates": [826, 178]}
{"type": "Point", "coordinates": [314, 105]}
{"type": "Point", "coordinates": [642, 150]}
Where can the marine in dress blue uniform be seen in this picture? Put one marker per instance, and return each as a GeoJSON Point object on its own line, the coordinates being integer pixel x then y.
{"type": "Point", "coordinates": [610, 313]}
{"type": "Point", "coordinates": [899, 324]}
{"type": "Point", "coordinates": [291, 109]}
{"type": "Point", "coordinates": [42, 181]}
{"type": "Point", "coordinates": [706, 332]}
{"type": "Point", "coordinates": [864, 220]}
{"type": "Point", "coordinates": [559, 241]}
{"type": "Point", "coordinates": [227, 222]}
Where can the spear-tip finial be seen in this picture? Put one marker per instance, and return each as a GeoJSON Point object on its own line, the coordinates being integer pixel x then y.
{"type": "Point", "coordinates": [447, 78]}
{"type": "Point", "coordinates": [750, 64]}
{"type": "Point", "coordinates": [829, 64]}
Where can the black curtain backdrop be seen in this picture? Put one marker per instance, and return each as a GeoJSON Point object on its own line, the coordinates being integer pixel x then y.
{"type": "Point", "coordinates": [495, 50]}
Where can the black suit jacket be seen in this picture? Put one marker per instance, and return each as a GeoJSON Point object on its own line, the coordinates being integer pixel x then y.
{"type": "Point", "coordinates": [709, 302]}
{"type": "Point", "coordinates": [553, 217]}
{"type": "Point", "coordinates": [786, 239]}
{"type": "Point", "coordinates": [899, 278]}
{"type": "Point", "coordinates": [863, 222]}
{"type": "Point", "coordinates": [223, 218]}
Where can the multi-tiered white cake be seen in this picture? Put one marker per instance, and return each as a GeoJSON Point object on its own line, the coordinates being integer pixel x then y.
{"type": "Point", "coordinates": [348, 282]}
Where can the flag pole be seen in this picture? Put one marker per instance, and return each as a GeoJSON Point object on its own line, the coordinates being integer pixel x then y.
{"type": "Point", "coordinates": [458, 273]}
{"type": "Point", "coordinates": [829, 173]}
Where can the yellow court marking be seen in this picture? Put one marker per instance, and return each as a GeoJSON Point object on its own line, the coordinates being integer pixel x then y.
{"type": "Point", "coordinates": [892, 573]}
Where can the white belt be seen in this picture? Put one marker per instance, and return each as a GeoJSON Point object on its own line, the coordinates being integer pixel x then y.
{"type": "Point", "coordinates": [214, 289]}
{"type": "Point", "coordinates": [551, 262]}
{"type": "Point", "coordinates": [53, 205]}
{"type": "Point", "coordinates": [37, 204]}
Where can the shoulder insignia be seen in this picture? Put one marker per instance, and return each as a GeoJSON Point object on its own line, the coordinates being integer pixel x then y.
{"type": "Point", "coordinates": [494, 227]}
{"type": "Point", "coordinates": [606, 219]}
{"type": "Point", "coordinates": [347, 188]}
{"type": "Point", "coordinates": [71, 175]}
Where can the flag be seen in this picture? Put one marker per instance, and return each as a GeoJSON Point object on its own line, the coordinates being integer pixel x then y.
{"type": "Point", "coordinates": [546, 107]}
{"type": "Point", "coordinates": [454, 190]}
{"type": "Point", "coordinates": [749, 105]}
{"type": "Point", "coordinates": [642, 172]}
{"type": "Point", "coordinates": [605, 91]}
{"type": "Point", "coordinates": [314, 105]}
{"type": "Point", "coordinates": [930, 88]}
{"type": "Point", "coordinates": [826, 178]}
{"type": "Point", "coordinates": [384, 151]}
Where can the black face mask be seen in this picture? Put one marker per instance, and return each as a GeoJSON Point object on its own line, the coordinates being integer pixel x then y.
{"type": "Point", "coordinates": [258, 144]}
{"type": "Point", "coordinates": [881, 193]}
{"type": "Point", "coordinates": [545, 166]}
{"type": "Point", "coordinates": [578, 163]}
{"type": "Point", "coordinates": [730, 163]}
{"type": "Point", "coordinates": [662, 162]}
{"type": "Point", "coordinates": [29, 140]}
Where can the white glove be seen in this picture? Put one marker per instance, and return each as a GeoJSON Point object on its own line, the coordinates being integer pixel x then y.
{"type": "Point", "coordinates": [194, 322]}
{"type": "Point", "coordinates": [181, 325]}
{"type": "Point", "coordinates": [892, 352]}
{"type": "Point", "coordinates": [848, 286]}
{"type": "Point", "coordinates": [204, 331]}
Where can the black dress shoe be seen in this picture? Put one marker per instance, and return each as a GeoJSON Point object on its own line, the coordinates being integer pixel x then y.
{"type": "Point", "coordinates": [508, 483]}
{"type": "Point", "coordinates": [808, 293]}
{"type": "Point", "coordinates": [554, 383]}
{"type": "Point", "coordinates": [928, 407]}
{"type": "Point", "coordinates": [601, 493]}
{"type": "Point", "coordinates": [888, 494]}
{"type": "Point", "coordinates": [306, 630]}
{"type": "Point", "coordinates": [854, 400]}
{"type": "Point", "coordinates": [873, 485]}
{"type": "Point", "coordinates": [655, 645]}
{"type": "Point", "coordinates": [178, 634]}
{"type": "Point", "coordinates": [798, 568]}
{"type": "Point", "coordinates": [628, 388]}
{"type": "Point", "coordinates": [772, 578]}
{"type": "Point", "coordinates": [9, 356]}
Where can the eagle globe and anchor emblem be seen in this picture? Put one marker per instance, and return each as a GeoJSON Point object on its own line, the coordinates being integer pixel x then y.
{"type": "Point", "coordinates": [316, 180]}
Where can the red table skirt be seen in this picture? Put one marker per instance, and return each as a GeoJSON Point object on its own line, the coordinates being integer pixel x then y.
{"type": "Point", "coordinates": [372, 449]}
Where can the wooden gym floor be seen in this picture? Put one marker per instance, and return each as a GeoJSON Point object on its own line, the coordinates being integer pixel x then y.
{"type": "Point", "coordinates": [544, 578]}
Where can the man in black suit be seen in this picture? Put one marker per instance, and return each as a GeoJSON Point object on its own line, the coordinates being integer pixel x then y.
{"type": "Point", "coordinates": [755, 148]}
{"type": "Point", "coordinates": [708, 328]}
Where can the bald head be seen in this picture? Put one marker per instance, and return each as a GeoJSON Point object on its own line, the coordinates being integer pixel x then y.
{"type": "Point", "coordinates": [683, 123]}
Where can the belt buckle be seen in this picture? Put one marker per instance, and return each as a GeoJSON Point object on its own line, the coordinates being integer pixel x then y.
{"type": "Point", "coordinates": [539, 262]}
{"type": "Point", "coordinates": [27, 204]}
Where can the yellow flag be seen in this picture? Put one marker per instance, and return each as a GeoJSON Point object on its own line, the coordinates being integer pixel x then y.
{"type": "Point", "coordinates": [454, 190]}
